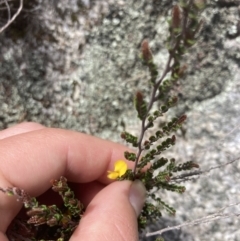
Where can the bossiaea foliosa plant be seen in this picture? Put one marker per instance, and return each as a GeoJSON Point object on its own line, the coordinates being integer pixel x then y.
{"type": "Point", "coordinates": [150, 166]}
{"type": "Point", "coordinates": [184, 27]}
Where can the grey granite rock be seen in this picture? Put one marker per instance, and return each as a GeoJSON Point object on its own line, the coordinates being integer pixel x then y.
{"type": "Point", "coordinates": [172, 235]}
{"type": "Point", "coordinates": [76, 66]}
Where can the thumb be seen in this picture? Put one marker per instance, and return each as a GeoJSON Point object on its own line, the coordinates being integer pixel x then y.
{"type": "Point", "coordinates": [112, 214]}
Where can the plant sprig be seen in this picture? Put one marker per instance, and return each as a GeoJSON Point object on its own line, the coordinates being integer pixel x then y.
{"type": "Point", "coordinates": [57, 223]}
{"type": "Point", "coordinates": [184, 26]}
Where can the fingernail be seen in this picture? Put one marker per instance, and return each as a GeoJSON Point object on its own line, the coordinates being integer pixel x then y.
{"type": "Point", "coordinates": [137, 196]}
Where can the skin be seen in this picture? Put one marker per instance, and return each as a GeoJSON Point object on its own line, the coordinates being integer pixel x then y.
{"type": "Point", "coordinates": [32, 155]}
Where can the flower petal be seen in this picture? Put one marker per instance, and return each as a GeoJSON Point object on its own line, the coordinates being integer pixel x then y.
{"type": "Point", "coordinates": [120, 167]}
{"type": "Point", "coordinates": [112, 175]}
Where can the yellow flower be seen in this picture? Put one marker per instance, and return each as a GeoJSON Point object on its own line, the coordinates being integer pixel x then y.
{"type": "Point", "coordinates": [120, 168]}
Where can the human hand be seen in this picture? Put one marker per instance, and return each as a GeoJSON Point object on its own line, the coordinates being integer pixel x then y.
{"type": "Point", "coordinates": [32, 155]}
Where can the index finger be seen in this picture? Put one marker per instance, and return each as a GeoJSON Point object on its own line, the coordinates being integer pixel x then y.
{"type": "Point", "coordinates": [32, 159]}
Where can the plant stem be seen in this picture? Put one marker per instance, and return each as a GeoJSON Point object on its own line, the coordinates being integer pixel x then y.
{"type": "Point", "coordinates": [154, 95]}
